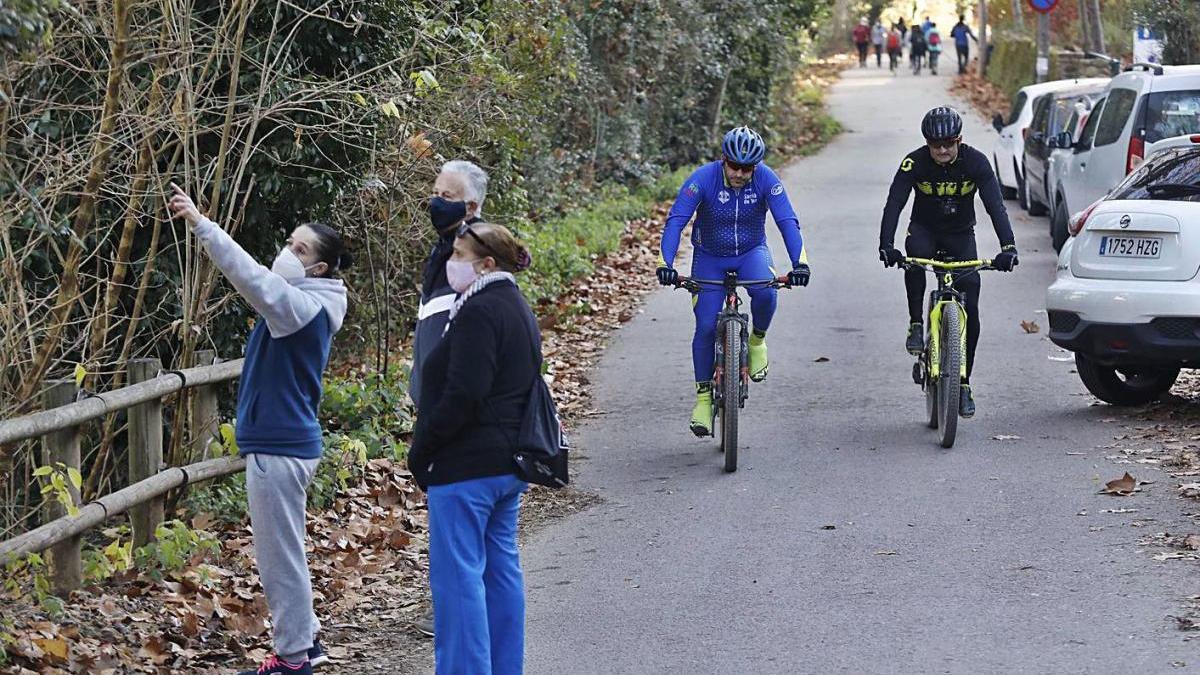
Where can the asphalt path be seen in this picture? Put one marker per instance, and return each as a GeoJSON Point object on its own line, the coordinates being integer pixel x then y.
{"type": "Point", "coordinates": [996, 556]}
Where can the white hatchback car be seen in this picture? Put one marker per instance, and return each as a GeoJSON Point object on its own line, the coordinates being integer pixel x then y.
{"type": "Point", "coordinates": [1008, 153]}
{"type": "Point", "coordinates": [1126, 298]}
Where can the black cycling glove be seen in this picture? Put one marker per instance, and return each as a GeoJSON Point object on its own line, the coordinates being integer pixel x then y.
{"type": "Point", "coordinates": [890, 256]}
{"type": "Point", "coordinates": [799, 275]}
{"type": "Point", "coordinates": [1006, 259]}
{"type": "Point", "coordinates": [667, 276]}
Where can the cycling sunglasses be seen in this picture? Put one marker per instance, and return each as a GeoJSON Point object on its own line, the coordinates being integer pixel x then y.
{"type": "Point", "coordinates": [465, 229]}
{"type": "Point", "coordinates": [946, 144]}
{"type": "Point", "coordinates": [744, 168]}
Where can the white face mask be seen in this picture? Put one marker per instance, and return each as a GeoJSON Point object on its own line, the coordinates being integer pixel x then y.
{"type": "Point", "coordinates": [288, 266]}
{"type": "Point", "coordinates": [461, 274]}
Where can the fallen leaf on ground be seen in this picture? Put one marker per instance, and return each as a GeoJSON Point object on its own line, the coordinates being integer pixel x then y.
{"type": "Point", "coordinates": [1123, 486]}
{"type": "Point", "coordinates": [1006, 437]}
{"type": "Point", "coordinates": [1192, 541]}
{"type": "Point", "coordinates": [1030, 326]}
{"type": "Point", "coordinates": [821, 359]}
{"type": "Point", "coordinates": [885, 552]}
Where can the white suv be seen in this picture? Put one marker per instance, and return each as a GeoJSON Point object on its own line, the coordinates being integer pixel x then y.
{"type": "Point", "coordinates": [1126, 298]}
{"type": "Point", "coordinates": [1141, 107]}
{"type": "Point", "coordinates": [1009, 151]}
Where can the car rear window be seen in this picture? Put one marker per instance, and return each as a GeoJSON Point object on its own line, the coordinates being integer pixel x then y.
{"type": "Point", "coordinates": [1115, 115]}
{"type": "Point", "coordinates": [1172, 113]}
{"type": "Point", "coordinates": [1018, 105]}
{"type": "Point", "coordinates": [1177, 166]}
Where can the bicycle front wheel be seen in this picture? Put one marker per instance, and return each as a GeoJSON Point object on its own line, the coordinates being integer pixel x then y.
{"type": "Point", "coordinates": [949, 379]}
{"type": "Point", "coordinates": [931, 392]}
{"type": "Point", "coordinates": [731, 386]}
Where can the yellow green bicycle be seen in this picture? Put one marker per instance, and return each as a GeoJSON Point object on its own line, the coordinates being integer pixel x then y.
{"type": "Point", "coordinates": [942, 365]}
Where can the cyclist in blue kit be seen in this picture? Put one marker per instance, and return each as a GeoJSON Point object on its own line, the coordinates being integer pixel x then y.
{"type": "Point", "coordinates": [730, 199]}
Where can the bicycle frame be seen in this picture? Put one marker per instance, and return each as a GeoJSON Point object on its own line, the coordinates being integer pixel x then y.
{"type": "Point", "coordinates": [940, 300]}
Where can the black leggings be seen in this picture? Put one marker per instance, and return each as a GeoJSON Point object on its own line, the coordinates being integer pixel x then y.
{"type": "Point", "coordinates": [924, 243]}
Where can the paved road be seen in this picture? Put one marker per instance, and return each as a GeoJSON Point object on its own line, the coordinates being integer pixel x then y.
{"type": "Point", "coordinates": [684, 569]}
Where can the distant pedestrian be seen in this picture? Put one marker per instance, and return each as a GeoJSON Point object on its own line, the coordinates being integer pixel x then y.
{"type": "Point", "coordinates": [917, 46]}
{"type": "Point", "coordinates": [862, 39]}
{"type": "Point", "coordinates": [878, 37]}
{"type": "Point", "coordinates": [894, 40]}
{"type": "Point", "coordinates": [903, 30]}
{"type": "Point", "coordinates": [961, 32]}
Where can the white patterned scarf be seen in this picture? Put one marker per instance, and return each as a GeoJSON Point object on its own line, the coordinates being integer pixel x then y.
{"type": "Point", "coordinates": [478, 285]}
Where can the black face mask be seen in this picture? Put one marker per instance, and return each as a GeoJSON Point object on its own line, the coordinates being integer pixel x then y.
{"type": "Point", "coordinates": [445, 214]}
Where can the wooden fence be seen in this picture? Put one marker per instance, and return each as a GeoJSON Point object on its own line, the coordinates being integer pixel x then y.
{"type": "Point", "coordinates": [58, 426]}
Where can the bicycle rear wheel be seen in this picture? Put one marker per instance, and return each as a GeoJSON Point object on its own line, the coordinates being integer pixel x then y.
{"type": "Point", "coordinates": [950, 376]}
{"type": "Point", "coordinates": [731, 386]}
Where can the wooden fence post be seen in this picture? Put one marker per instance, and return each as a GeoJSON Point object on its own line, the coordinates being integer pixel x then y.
{"type": "Point", "coordinates": [66, 565]}
{"type": "Point", "coordinates": [145, 451]}
{"type": "Point", "coordinates": [204, 411]}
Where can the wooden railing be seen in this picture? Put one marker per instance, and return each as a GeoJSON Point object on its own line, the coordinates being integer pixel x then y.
{"type": "Point", "coordinates": [58, 426]}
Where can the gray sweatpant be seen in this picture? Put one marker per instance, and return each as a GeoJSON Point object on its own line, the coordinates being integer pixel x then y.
{"type": "Point", "coordinates": [276, 491]}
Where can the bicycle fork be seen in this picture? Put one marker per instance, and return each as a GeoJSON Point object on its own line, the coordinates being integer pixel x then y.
{"type": "Point", "coordinates": [935, 337]}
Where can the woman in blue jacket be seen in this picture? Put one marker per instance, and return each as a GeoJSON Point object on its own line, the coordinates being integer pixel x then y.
{"type": "Point", "coordinates": [300, 305]}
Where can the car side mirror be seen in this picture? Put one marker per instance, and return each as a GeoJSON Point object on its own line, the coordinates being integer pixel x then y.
{"type": "Point", "coordinates": [1061, 140]}
{"type": "Point", "coordinates": [998, 122]}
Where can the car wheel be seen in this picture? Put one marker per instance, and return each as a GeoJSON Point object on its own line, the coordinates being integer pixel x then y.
{"type": "Point", "coordinates": [1034, 207]}
{"type": "Point", "coordinates": [1125, 385]}
{"type": "Point", "coordinates": [1021, 195]}
{"type": "Point", "coordinates": [1058, 225]}
{"type": "Point", "coordinates": [1005, 191]}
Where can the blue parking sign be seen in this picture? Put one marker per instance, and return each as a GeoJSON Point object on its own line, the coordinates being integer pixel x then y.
{"type": "Point", "coordinates": [1043, 6]}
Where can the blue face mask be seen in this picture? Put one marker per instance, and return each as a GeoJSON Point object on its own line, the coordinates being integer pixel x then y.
{"type": "Point", "coordinates": [445, 214]}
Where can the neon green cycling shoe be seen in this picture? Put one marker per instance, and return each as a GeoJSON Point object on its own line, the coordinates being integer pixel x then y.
{"type": "Point", "coordinates": [702, 414]}
{"type": "Point", "coordinates": [759, 363]}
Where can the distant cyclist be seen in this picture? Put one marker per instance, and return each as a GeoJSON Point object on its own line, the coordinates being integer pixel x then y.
{"type": "Point", "coordinates": [730, 198]}
{"type": "Point", "coordinates": [945, 174]}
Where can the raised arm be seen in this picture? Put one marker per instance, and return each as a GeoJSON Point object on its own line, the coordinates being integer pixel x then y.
{"type": "Point", "coordinates": [285, 308]}
{"type": "Point", "coordinates": [902, 185]}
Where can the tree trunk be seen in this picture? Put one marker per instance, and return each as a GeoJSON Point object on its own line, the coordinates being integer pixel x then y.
{"type": "Point", "coordinates": [983, 37]}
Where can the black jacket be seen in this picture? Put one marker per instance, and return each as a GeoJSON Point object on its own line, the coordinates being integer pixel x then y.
{"type": "Point", "coordinates": [474, 389]}
{"type": "Point", "coordinates": [436, 298]}
{"type": "Point", "coordinates": [945, 195]}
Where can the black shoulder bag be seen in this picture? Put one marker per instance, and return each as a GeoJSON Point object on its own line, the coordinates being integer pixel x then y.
{"type": "Point", "coordinates": [540, 449]}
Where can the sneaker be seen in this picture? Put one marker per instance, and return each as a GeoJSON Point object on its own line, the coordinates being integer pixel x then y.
{"type": "Point", "coordinates": [317, 655]}
{"type": "Point", "coordinates": [758, 359]}
{"type": "Point", "coordinates": [966, 403]}
{"type": "Point", "coordinates": [702, 414]}
{"type": "Point", "coordinates": [915, 344]}
{"type": "Point", "coordinates": [277, 666]}
{"type": "Point", "coordinates": [424, 625]}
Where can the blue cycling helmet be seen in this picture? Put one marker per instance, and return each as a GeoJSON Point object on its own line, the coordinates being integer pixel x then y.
{"type": "Point", "coordinates": [743, 145]}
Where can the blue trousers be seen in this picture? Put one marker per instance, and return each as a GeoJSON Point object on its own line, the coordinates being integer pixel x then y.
{"type": "Point", "coordinates": [755, 264]}
{"type": "Point", "coordinates": [475, 575]}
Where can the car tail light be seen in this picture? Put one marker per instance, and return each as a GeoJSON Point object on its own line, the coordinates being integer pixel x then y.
{"type": "Point", "coordinates": [1137, 151]}
{"type": "Point", "coordinates": [1196, 138]}
{"type": "Point", "coordinates": [1075, 225]}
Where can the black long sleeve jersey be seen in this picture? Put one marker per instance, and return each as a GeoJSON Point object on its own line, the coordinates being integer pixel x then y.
{"type": "Point", "coordinates": [945, 195]}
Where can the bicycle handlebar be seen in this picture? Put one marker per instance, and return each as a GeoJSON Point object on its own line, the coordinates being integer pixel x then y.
{"type": "Point", "coordinates": [936, 265]}
{"type": "Point", "coordinates": [691, 284]}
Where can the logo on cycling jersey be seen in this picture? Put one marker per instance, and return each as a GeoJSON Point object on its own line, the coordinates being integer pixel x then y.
{"type": "Point", "coordinates": [777, 190]}
{"type": "Point", "coordinates": [750, 198]}
{"type": "Point", "coordinates": [692, 190]}
{"type": "Point", "coordinates": [723, 196]}
{"type": "Point", "coordinates": [907, 164]}
{"type": "Point", "coordinates": [947, 189]}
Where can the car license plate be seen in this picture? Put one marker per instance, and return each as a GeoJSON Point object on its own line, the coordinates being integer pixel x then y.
{"type": "Point", "coordinates": [1130, 247]}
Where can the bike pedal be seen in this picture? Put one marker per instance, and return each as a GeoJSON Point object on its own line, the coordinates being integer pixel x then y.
{"type": "Point", "coordinates": [918, 374]}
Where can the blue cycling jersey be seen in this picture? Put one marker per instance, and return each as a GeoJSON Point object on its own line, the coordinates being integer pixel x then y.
{"type": "Point", "coordinates": [730, 222]}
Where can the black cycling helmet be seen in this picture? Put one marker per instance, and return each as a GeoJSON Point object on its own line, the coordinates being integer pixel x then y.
{"type": "Point", "coordinates": [941, 123]}
{"type": "Point", "coordinates": [743, 145]}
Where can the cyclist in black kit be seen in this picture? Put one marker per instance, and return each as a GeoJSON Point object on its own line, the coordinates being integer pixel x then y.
{"type": "Point", "coordinates": [945, 175]}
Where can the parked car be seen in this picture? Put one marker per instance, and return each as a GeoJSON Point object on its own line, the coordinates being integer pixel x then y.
{"type": "Point", "coordinates": [1141, 108]}
{"type": "Point", "coordinates": [1126, 298]}
{"type": "Point", "coordinates": [1007, 155]}
{"type": "Point", "coordinates": [1053, 113]}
